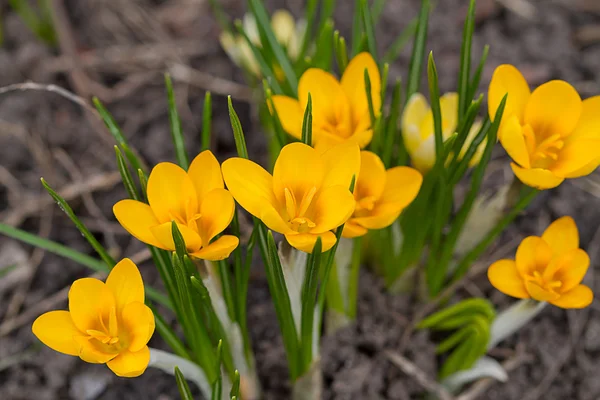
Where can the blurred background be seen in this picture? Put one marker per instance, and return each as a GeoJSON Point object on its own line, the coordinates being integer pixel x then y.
{"type": "Point", "coordinates": [118, 50]}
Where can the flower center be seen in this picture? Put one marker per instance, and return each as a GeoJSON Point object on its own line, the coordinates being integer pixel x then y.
{"type": "Point", "coordinates": [548, 285]}
{"type": "Point", "coordinates": [107, 337]}
{"type": "Point", "coordinates": [297, 217]}
{"type": "Point", "coordinates": [542, 149]}
{"type": "Point", "coordinates": [364, 206]}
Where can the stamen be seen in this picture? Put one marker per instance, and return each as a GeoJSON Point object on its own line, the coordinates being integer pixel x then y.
{"type": "Point", "coordinates": [307, 200]}
{"type": "Point", "coordinates": [290, 203]}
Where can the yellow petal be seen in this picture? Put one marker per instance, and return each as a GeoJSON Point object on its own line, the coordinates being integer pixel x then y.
{"type": "Point", "coordinates": [273, 220]}
{"type": "Point", "coordinates": [539, 293]}
{"type": "Point", "coordinates": [205, 174]}
{"type": "Point", "coordinates": [297, 169]}
{"type": "Point", "coordinates": [503, 275]}
{"type": "Point", "coordinates": [414, 113]}
{"type": "Point", "coordinates": [576, 156]}
{"type": "Point", "coordinates": [424, 157]}
{"type": "Point", "coordinates": [372, 176]}
{"type": "Point", "coordinates": [130, 365]}
{"type": "Point", "coordinates": [170, 192]}
{"type": "Point", "coordinates": [383, 215]}
{"type": "Point", "coordinates": [137, 218]}
{"type": "Point", "coordinates": [56, 330]}
{"type": "Point", "coordinates": [164, 235]}
{"type": "Point", "coordinates": [89, 301]}
{"type": "Point", "coordinates": [333, 206]}
{"type": "Point", "coordinates": [513, 141]}
{"type": "Point", "coordinates": [588, 126]}
{"type": "Point", "coordinates": [250, 184]}
{"type": "Point", "coordinates": [362, 135]}
{"type": "Point", "coordinates": [508, 79]}
{"type": "Point", "coordinates": [402, 184]}
{"type": "Point", "coordinates": [353, 83]}
{"type": "Point", "coordinates": [290, 114]}
{"type": "Point", "coordinates": [138, 321]}
{"type": "Point", "coordinates": [220, 249]}
{"type": "Point", "coordinates": [92, 351]}
{"type": "Point", "coordinates": [341, 162]}
{"type": "Point", "coordinates": [579, 297]}
{"type": "Point", "coordinates": [306, 241]}
{"type": "Point", "coordinates": [585, 170]}
{"type": "Point", "coordinates": [532, 254]}
{"type": "Point", "coordinates": [562, 235]}
{"type": "Point", "coordinates": [536, 177]}
{"type": "Point", "coordinates": [125, 283]}
{"type": "Point", "coordinates": [352, 230]}
{"type": "Point", "coordinates": [216, 213]}
{"type": "Point", "coordinates": [554, 107]}
{"type": "Point", "coordinates": [284, 26]}
{"type": "Point", "coordinates": [568, 268]}
{"type": "Point", "coordinates": [325, 91]}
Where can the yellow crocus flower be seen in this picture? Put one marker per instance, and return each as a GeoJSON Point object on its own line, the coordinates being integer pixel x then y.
{"type": "Point", "coordinates": [340, 110]}
{"type": "Point", "coordinates": [418, 130]}
{"type": "Point", "coordinates": [306, 197]}
{"type": "Point", "coordinates": [548, 268]}
{"type": "Point", "coordinates": [380, 195]}
{"type": "Point", "coordinates": [196, 200]}
{"type": "Point", "coordinates": [107, 323]}
{"type": "Point", "coordinates": [550, 134]}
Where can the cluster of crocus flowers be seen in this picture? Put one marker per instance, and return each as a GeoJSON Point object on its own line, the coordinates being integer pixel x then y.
{"type": "Point", "coordinates": [418, 130]}
{"type": "Point", "coordinates": [288, 32]}
{"type": "Point", "coordinates": [107, 323]}
{"type": "Point", "coordinates": [380, 195]}
{"type": "Point", "coordinates": [307, 196]}
{"type": "Point", "coordinates": [340, 109]}
{"type": "Point", "coordinates": [195, 200]}
{"type": "Point", "coordinates": [549, 268]}
{"type": "Point", "coordinates": [550, 133]}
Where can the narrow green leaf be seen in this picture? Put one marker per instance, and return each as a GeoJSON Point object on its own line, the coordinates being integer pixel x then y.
{"type": "Point", "coordinates": [341, 52]}
{"type": "Point", "coordinates": [310, 17]}
{"type": "Point", "coordinates": [228, 293]}
{"type": "Point", "coordinates": [309, 297]}
{"type": "Point", "coordinates": [369, 95]}
{"type": "Point", "coordinates": [385, 71]}
{"type": "Point", "coordinates": [307, 123]}
{"type": "Point", "coordinates": [126, 175]}
{"type": "Point", "coordinates": [392, 133]}
{"type": "Point", "coordinates": [418, 52]}
{"type": "Point", "coordinates": [454, 340]}
{"type": "Point", "coordinates": [377, 9]}
{"type": "Point", "coordinates": [238, 132]}
{"type": "Point", "coordinates": [180, 248]}
{"type": "Point", "coordinates": [464, 128]}
{"type": "Point", "coordinates": [367, 20]}
{"type": "Point", "coordinates": [176, 130]}
{"type": "Point", "coordinates": [144, 184]}
{"type": "Point", "coordinates": [206, 121]}
{"type": "Point", "coordinates": [184, 389]}
{"type": "Point", "coordinates": [235, 386]}
{"type": "Point", "coordinates": [459, 169]}
{"type": "Point", "coordinates": [357, 28]}
{"type": "Point", "coordinates": [217, 387]}
{"type": "Point", "coordinates": [327, 8]}
{"type": "Point", "coordinates": [324, 53]}
{"type": "Point", "coordinates": [474, 84]}
{"type": "Point", "coordinates": [464, 72]}
{"type": "Point", "coordinates": [434, 94]}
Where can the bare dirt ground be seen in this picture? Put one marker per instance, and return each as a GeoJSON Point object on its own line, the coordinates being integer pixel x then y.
{"type": "Point", "coordinates": [118, 51]}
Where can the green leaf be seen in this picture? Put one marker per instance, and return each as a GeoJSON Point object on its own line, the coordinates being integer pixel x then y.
{"type": "Point", "coordinates": [354, 277]}
{"type": "Point", "coordinates": [280, 134]}
{"type": "Point", "coordinates": [368, 92]}
{"type": "Point", "coordinates": [144, 184]}
{"type": "Point", "coordinates": [341, 52]}
{"type": "Point", "coordinates": [357, 28]}
{"type": "Point", "coordinates": [367, 20]}
{"type": "Point", "coordinates": [464, 72]}
{"type": "Point", "coordinates": [474, 84]}
{"type": "Point", "coordinates": [307, 123]}
{"type": "Point", "coordinates": [377, 9]}
{"type": "Point", "coordinates": [184, 389]}
{"type": "Point", "coordinates": [309, 297]}
{"type": "Point", "coordinates": [392, 132]}
{"type": "Point", "coordinates": [217, 387]}
{"type": "Point", "coordinates": [176, 130]}
{"type": "Point", "coordinates": [434, 93]}
{"type": "Point", "coordinates": [310, 16]}
{"type": "Point", "coordinates": [238, 133]}
{"type": "Point", "coordinates": [126, 176]}
{"type": "Point", "coordinates": [324, 53]}
{"type": "Point", "coordinates": [206, 122]}
{"type": "Point", "coordinates": [235, 386]}
{"type": "Point", "coordinates": [418, 52]}
{"type": "Point", "coordinates": [454, 340]}
{"type": "Point", "coordinates": [464, 129]}
{"type": "Point", "coordinates": [228, 293]}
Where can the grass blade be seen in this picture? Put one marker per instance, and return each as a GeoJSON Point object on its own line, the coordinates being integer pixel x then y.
{"type": "Point", "coordinates": [474, 84]}
{"type": "Point", "coordinates": [307, 123]}
{"type": "Point", "coordinates": [418, 52]}
{"type": "Point", "coordinates": [206, 122]}
{"type": "Point", "coordinates": [309, 297]}
{"type": "Point", "coordinates": [184, 389]}
{"type": "Point", "coordinates": [126, 175]}
{"type": "Point", "coordinates": [464, 72]}
{"type": "Point", "coordinates": [176, 130]}
{"type": "Point", "coordinates": [367, 20]}
{"type": "Point", "coordinates": [341, 52]}
{"type": "Point", "coordinates": [238, 132]}
{"type": "Point", "coordinates": [434, 94]}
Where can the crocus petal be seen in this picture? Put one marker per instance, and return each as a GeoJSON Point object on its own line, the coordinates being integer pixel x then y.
{"type": "Point", "coordinates": [306, 241]}
{"type": "Point", "coordinates": [508, 79]}
{"type": "Point", "coordinates": [412, 117]}
{"type": "Point", "coordinates": [588, 126]}
{"type": "Point", "coordinates": [128, 364]}
{"type": "Point", "coordinates": [125, 283]}
{"type": "Point", "coordinates": [539, 293]}
{"type": "Point", "coordinates": [536, 177]}
{"type": "Point", "coordinates": [298, 169]}
{"type": "Point", "coordinates": [216, 213]}
{"type": "Point", "coordinates": [137, 218]}
{"type": "Point", "coordinates": [89, 301]}
{"type": "Point", "coordinates": [575, 156]}
{"type": "Point", "coordinates": [579, 297]}
{"type": "Point", "coordinates": [362, 136]}
{"type": "Point", "coordinates": [423, 158]}
{"type": "Point", "coordinates": [402, 184]}
{"type": "Point", "coordinates": [353, 83]}
{"type": "Point", "coordinates": [325, 92]}
{"type": "Point", "coordinates": [333, 206]}
{"type": "Point", "coordinates": [220, 249]}
{"type": "Point", "coordinates": [284, 26]}
{"type": "Point", "coordinates": [533, 252]}
{"type": "Point", "coordinates": [342, 162]}
{"type": "Point", "coordinates": [205, 174]}
{"type": "Point", "coordinates": [138, 321]}
{"type": "Point", "coordinates": [371, 179]}
{"type": "Point", "coordinates": [290, 114]}
{"type": "Point", "coordinates": [92, 351]}
{"type": "Point", "coordinates": [352, 230]}
{"type": "Point", "coordinates": [250, 184]}
{"type": "Point", "coordinates": [56, 330]}
{"type": "Point", "coordinates": [273, 220]}
{"type": "Point", "coordinates": [513, 141]}
{"type": "Point", "coordinates": [562, 235]}
{"type": "Point", "coordinates": [505, 277]}
{"type": "Point", "coordinates": [569, 268]}
{"type": "Point", "coordinates": [164, 234]}
{"type": "Point", "coordinates": [554, 107]}
{"type": "Point", "coordinates": [170, 192]}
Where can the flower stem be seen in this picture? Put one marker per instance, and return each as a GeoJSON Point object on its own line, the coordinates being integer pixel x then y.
{"type": "Point", "coordinates": [512, 319]}
{"type": "Point", "coordinates": [309, 385]}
